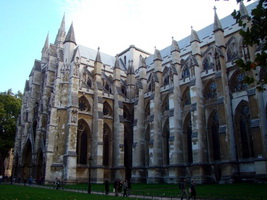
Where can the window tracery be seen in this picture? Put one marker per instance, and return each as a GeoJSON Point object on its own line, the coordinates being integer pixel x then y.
{"type": "Point", "coordinates": [210, 91]}
{"type": "Point", "coordinates": [232, 50]}
{"type": "Point", "coordinates": [185, 72]}
{"type": "Point", "coordinates": [186, 99]}
{"type": "Point", "coordinates": [207, 63]}
{"type": "Point", "coordinates": [238, 82]}
{"type": "Point", "coordinates": [84, 104]}
{"type": "Point", "coordinates": [107, 111]}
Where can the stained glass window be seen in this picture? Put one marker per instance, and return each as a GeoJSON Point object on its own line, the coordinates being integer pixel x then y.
{"type": "Point", "coordinates": [186, 100]}
{"type": "Point", "coordinates": [238, 83]}
{"type": "Point", "coordinates": [185, 72]}
{"type": "Point", "coordinates": [84, 105]}
{"type": "Point", "coordinates": [210, 91]}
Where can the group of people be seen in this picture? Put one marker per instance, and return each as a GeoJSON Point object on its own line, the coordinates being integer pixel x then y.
{"type": "Point", "coordinates": [120, 186]}
{"type": "Point", "coordinates": [191, 193]}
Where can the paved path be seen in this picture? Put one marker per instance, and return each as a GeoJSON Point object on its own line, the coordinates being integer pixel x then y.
{"type": "Point", "coordinates": [101, 193]}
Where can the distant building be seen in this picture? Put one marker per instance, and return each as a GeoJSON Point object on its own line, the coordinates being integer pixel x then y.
{"type": "Point", "coordinates": [184, 111]}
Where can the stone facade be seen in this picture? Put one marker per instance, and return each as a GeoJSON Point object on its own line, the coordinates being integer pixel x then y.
{"type": "Point", "coordinates": [184, 111]}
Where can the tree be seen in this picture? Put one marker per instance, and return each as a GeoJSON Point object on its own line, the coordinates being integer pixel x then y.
{"type": "Point", "coordinates": [10, 105]}
{"type": "Point", "coordinates": [254, 35]}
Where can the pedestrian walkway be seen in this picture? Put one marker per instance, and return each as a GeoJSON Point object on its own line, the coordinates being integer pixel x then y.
{"type": "Point", "coordinates": [101, 193]}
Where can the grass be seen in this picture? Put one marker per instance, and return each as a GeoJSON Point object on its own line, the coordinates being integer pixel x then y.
{"type": "Point", "coordinates": [19, 192]}
{"type": "Point", "coordinates": [240, 191]}
{"type": "Point", "coordinates": [214, 191]}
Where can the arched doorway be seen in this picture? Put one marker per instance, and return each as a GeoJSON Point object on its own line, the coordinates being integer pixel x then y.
{"type": "Point", "coordinates": [40, 167]}
{"type": "Point", "coordinates": [27, 160]}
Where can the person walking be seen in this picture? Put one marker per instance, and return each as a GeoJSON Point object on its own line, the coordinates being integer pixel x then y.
{"type": "Point", "coordinates": [106, 186]}
{"type": "Point", "coordinates": [192, 190]}
{"type": "Point", "coordinates": [183, 189]}
{"type": "Point", "coordinates": [125, 188]}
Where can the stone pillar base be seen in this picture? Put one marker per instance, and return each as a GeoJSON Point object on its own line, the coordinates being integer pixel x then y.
{"type": "Point", "coordinates": [139, 175]}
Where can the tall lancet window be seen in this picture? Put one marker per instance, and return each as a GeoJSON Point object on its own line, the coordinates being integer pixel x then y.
{"type": "Point", "coordinates": [210, 91]}
{"type": "Point", "coordinates": [165, 143]}
{"type": "Point", "coordinates": [245, 140]}
{"type": "Point", "coordinates": [82, 142]}
{"type": "Point", "coordinates": [207, 63]}
{"type": "Point", "coordinates": [214, 139]}
{"type": "Point", "coordinates": [186, 98]}
{"type": "Point", "coordinates": [232, 49]}
{"type": "Point", "coordinates": [107, 151]}
{"type": "Point", "coordinates": [188, 139]}
{"type": "Point", "coordinates": [166, 77]}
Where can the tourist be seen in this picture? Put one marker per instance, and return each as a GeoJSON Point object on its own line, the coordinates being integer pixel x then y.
{"type": "Point", "coordinates": [183, 189]}
{"type": "Point", "coordinates": [192, 190]}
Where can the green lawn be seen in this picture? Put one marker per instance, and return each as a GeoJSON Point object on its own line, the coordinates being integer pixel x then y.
{"type": "Point", "coordinates": [19, 192]}
{"type": "Point", "coordinates": [233, 191]}
{"type": "Point", "coordinates": [215, 191]}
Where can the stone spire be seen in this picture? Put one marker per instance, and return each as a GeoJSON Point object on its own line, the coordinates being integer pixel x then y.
{"type": "Point", "coordinates": [98, 57]}
{"type": "Point", "coordinates": [61, 32]}
{"type": "Point", "coordinates": [116, 65]}
{"type": "Point", "coordinates": [46, 44]}
{"type": "Point", "coordinates": [194, 36]}
{"type": "Point", "coordinates": [157, 55]}
{"type": "Point", "coordinates": [217, 24]}
{"type": "Point", "coordinates": [243, 10]}
{"type": "Point", "coordinates": [45, 50]}
{"type": "Point", "coordinates": [70, 36]}
{"type": "Point", "coordinates": [98, 63]}
{"type": "Point", "coordinates": [174, 46]}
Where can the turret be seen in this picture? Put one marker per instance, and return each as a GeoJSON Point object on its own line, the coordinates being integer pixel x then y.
{"type": "Point", "coordinates": [45, 50]}
{"type": "Point", "coordinates": [61, 34]}
{"type": "Point", "coordinates": [69, 45]}
{"type": "Point", "coordinates": [175, 54]}
{"type": "Point", "coordinates": [157, 61]}
{"type": "Point", "coordinates": [218, 31]}
{"type": "Point", "coordinates": [117, 70]}
{"type": "Point", "coordinates": [195, 42]}
{"type": "Point", "coordinates": [98, 63]}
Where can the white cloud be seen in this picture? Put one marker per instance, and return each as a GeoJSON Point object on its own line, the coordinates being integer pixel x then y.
{"type": "Point", "coordinates": [113, 25]}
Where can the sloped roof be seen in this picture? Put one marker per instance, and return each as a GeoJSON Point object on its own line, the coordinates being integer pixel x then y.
{"type": "Point", "coordinates": [205, 35]}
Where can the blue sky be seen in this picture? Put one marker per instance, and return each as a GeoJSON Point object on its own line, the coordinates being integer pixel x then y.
{"type": "Point", "coordinates": [113, 25]}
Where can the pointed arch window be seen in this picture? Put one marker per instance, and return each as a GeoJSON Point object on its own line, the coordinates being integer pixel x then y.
{"type": "Point", "coordinates": [207, 63]}
{"type": "Point", "coordinates": [188, 138]}
{"type": "Point", "coordinates": [237, 82]}
{"type": "Point", "coordinates": [108, 88]}
{"type": "Point", "coordinates": [232, 49]}
{"type": "Point", "coordinates": [124, 91]}
{"type": "Point", "coordinates": [165, 104]}
{"type": "Point", "coordinates": [107, 145]}
{"type": "Point", "coordinates": [147, 110]}
{"type": "Point", "coordinates": [166, 78]}
{"type": "Point", "coordinates": [166, 146]}
{"type": "Point", "coordinates": [210, 91]}
{"type": "Point", "coordinates": [82, 142]}
{"type": "Point", "coordinates": [245, 141]}
{"type": "Point", "coordinates": [107, 111]}
{"type": "Point", "coordinates": [185, 72]}
{"type": "Point", "coordinates": [89, 83]}
{"type": "Point", "coordinates": [84, 105]}
{"type": "Point", "coordinates": [186, 99]}
{"type": "Point", "coordinates": [214, 139]}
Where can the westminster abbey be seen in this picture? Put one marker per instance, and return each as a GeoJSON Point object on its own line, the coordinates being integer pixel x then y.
{"type": "Point", "coordinates": [184, 111]}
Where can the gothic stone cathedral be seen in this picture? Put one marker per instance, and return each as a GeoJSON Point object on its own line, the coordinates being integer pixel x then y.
{"type": "Point", "coordinates": [184, 111]}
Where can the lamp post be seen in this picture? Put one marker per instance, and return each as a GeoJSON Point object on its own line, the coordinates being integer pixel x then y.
{"type": "Point", "coordinates": [89, 174]}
